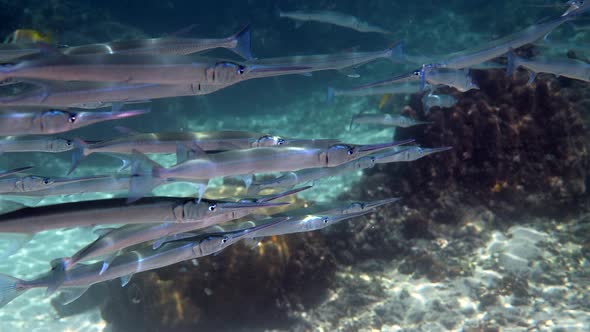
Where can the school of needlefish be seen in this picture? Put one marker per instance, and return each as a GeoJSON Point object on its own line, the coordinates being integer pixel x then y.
{"type": "Point", "coordinates": [62, 88]}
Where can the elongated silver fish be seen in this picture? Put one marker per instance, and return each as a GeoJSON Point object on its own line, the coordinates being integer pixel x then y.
{"type": "Point", "coordinates": [239, 43]}
{"type": "Point", "coordinates": [114, 211]}
{"type": "Point", "coordinates": [335, 61]}
{"type": "Point", "coordinates": [40, 186]}
{"type": "Point", "coordinates": [386, 120]}
{"type": "Point", "coordinates": [168, 142]}
{"type": "Point", "coordinates": [111, 241]}
{"type": "Point", "coordinates": [470, 58]}
{"type": "Point", "coordinates": [76, 281]}
{"type": "Point", "coordinates": [247, 161]}
{"type": "Point", "coordinates": [292, 179]}
{"type": "Point", "coordinates": [42, 121]}
{"type": "Point", "coordinates": [459, 79]}
{"type": "Point", "coordinates": [35, 144]}
{"type": "Point", "coordinates": [99, 94]}
{"type": "Point", "coordinates": [406, 154]}
{"type": "Point", "coordinates": [570, 68]}
{"type": "Point", "coordinates": [335, 18]}
{"type": "Point", "coordinates": [133, 69]}
{"type": "Point", "coordinates": [407, 88]}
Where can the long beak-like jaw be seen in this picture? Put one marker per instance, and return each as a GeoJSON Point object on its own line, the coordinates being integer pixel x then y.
{"type": "Point", "coordinates": [375, 204]}
{"type": "Point", "coordinates": [364, 150]}
{"type": "Point", "coordinates": [428, 151]}
{"type": "Point", "coordinates": [86, 118]}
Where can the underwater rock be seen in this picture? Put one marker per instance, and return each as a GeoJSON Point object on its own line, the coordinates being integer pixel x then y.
{"type": "Point", "coordinates": [241, 287]}
{"type": "Point", "coordinates": [516, 148]}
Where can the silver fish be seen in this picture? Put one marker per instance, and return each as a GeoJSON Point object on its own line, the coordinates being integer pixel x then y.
{"type": "Point", "coordinates": [304, 224]}
{"type": "Point", "coordinates": [292, 179]}
{"type": "Point", "coordinates": [53, 121]}
{"type": "Point", "coordinates": [335, 61]}
{"type": "Point", "coordinates": [40, 186]}
{"type": "Point", "coordinates": [431, 100]}
{"type": "Point", "coordinates": [76, 281]}
{"type": "Point", "coordinates": [470, 58]}
{"type": "Point", "coordinates": [112, 240]}
{"type": "Point", "coordinates": [91, 95]}
{"type": "Point", "coordinates": [406, 154]}
{"type": "Point", "coordinates": [570, 68]}
{"type": "Point", "coordinates": [239, 43]}
{"type": "Point", "coordinates": [168, 142]}
{"type": "Point", "coordinates": [386, 120]}
{"type": "Point", "coordinates": [246, 161]}
{"type": "Point", "coordinates": [408, 88]}
{"type": "Point", "coordinates": [35, 144]}
{"type": "Point", "coordinates": [114, 211]}
{"type": "Point", "coordinates": [335, 18]}
{"type": "Point", "coordinates": [132, 69]}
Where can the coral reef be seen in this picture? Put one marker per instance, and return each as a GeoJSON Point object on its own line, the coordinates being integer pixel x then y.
{"type": "Point", "coordinates": [516, 148]}
{"type": "Point", "coordinates": [240, 288]}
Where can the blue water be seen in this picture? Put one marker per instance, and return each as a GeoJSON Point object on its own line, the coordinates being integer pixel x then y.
{"type": "Point", "coordinates": [459, 252]}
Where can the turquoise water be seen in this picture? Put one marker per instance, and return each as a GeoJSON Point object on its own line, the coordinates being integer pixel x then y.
{"type": "Point", "coordinates": [488, 236]}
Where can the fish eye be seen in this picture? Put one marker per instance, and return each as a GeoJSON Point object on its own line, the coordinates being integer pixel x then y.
{"type": "Point", "coordinates": [46, 181]}
{"type": "Point", "coordinates": [68, 142]}
{"type": "Point", "coordinates": [280, 141]}
{"type": "Point", "coordinates": [224, 239]}
{"type": "Point", "coordinates": [212, 207]}
{"type": "Point", "coordinates": [72, 118]}
{"type": "Point", "coordinates": [350, 152]}
{"type": "Point", "coordinates": [325, 220]}
{"type": "Point", "coordinates": [241, 69]}
{"type": "Point", "coordinates": [420, 151]}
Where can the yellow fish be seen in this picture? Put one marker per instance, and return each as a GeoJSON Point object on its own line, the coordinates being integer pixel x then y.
{"type": "Point", "coordinates": [28, 36]}
{"type": "Point", "coordinates": [384, 100]}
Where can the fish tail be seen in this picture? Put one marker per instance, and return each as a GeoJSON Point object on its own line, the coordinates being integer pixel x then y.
{"type": "Point", "coordinates": [78, 153]}
{"type": "Point", "coordinates": [330, 95]}
{"type": "Point", "coordinates": [242, 39]}
{"type": "Point", "coordinates": [396, 52]}
{"type": "Point", "coordinates": [145, 176]}
{"type": "Point", "coordinates": [10, 288]}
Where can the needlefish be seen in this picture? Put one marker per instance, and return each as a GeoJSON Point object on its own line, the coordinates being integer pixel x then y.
{"type": "Point", "coordinates": [407, 88]}
{"type": "Point", "coordinates": [407, 154]}
{"type": "Point", "coordinates": [203, 166]}
{"type": "Point", "coordinates": [90, 95]}
{"type": "Point", "coordinates": [238, 43]}
{"type": "Point", "coordinates": [292, 179]}
{"type": "Point", "coordinates": [497, 48]}
{"type": "Point", "coordinates": [335, 61]}
{"type": "Point", "coordinates": [168, 142]}
{"type": "Point", "coordinates": [570, 68]}
{"type": "Point", "coordinates": [14, 122]}
{"type": "Point", "coordinates": [334, 18]}
{"type": "Point", "coordinates": [75, 282]}
{"type": "Point", "coordinates": [35, 144]}
{"type": "Point", "coordinates": [112, 240]}
{"type": "Point", "coordinates": [459, 79]}
{"type": "Point", "coordinates": [131, 69]}
{"type": "Point", "coordinates": [29, 184]}
{"type": "Point", "coordinates": [24, 223]}
{"type": "Point", "coordinates": [386, 120]}
{"type": "Point", "coordinates": [281, 226]}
